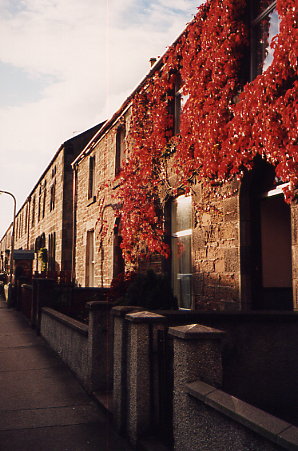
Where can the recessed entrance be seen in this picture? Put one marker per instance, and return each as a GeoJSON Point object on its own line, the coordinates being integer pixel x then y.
{"type": "Point", "coordinates": [266, 261]}
{"type": "Point", "coordinates": [276, 253]}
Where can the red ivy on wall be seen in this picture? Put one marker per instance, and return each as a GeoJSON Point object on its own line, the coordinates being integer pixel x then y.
{"type": "Point", "coordinates": [224, 124]}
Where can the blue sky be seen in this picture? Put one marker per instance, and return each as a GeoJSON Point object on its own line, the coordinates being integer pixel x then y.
{"type": "Point", "coordinates": [18, 87]}
{"type": "Point", "coordinates": [66, 66]}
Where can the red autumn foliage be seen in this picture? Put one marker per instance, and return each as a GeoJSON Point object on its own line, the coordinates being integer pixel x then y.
{"type": "Point", "coordinates": [225, 123]}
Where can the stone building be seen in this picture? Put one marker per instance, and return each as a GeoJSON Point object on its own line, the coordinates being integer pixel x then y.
{"type": "Point", "coordinates": [45, 219]}
{"type": "Point", "coordinates": [5, 246]}
{"type": "Point", "coordinates": [194, 165]}
{"type": "Point", "coordinates": [234, 242]}
{"type": "Point", "coordinates": [97, 255]}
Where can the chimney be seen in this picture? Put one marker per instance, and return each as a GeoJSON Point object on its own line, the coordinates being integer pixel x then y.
{"type": "Point", "coordinates": [152, 61]}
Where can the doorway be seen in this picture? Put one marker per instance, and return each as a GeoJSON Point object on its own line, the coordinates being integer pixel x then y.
{"type": "Point", "coordinates": [90, 259]}
{"type": "Point", "coordinates": [266, 258]}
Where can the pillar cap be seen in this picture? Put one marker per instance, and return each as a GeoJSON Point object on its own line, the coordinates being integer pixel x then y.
{"type": "Point", "coordinates": [196, 332]}
{"type": "Point", "coordinates": [145, 317]}
{"type": "Point", "coordinates": [122, 310]}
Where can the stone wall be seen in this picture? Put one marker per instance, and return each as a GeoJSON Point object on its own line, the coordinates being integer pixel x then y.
{"type": "Point", "coordinates": [46, 218]}
{"type": "Point", "coordinates": [97, 213]}
{"type": "Point", "coordinates": [42, 218]}
{"type": "Point", "coordinates": [206, 417]}
{"type": "Point", "coordinates": [86, 349]}
{"type": "Point", "coordinates": [69, 339]}
{"type": "Point", "coordinates": [254, 346]}
{"type": "Point", "coordinates": [216, 249]}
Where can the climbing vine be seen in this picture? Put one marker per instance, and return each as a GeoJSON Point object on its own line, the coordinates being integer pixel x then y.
{"type": "Point", "coordinates": [224, 123]}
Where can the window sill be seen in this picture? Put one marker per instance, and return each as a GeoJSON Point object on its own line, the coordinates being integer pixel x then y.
{"type": "Point", "coordinates": [91, 201]}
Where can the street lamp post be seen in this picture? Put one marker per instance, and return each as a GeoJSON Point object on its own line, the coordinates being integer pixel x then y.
{"type": "Point", "coordinates": [12, 232]}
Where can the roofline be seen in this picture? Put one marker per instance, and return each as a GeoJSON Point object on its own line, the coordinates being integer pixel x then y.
{"type": "Point", "coordinates": [6, 232]}
{"type": "Point", "coordinates": [62, 146]}
{"type": "Point", "coordinates": [159, 63]}
{"type": "Point", "coordinates": [124, 105]}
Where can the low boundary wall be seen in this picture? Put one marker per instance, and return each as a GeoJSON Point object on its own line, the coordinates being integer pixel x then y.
{"type": "Point", "coordinates": [205, 417]}
{"type": "Point", "coordinates": [69, 339]}
{"type": "Point", "coordinates": [86, 349]}
{"type": "Point", "coordinates": [235, 423]}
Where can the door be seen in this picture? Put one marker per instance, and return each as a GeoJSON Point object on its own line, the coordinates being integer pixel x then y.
{"type": "Point", "coordinates": [90, 259]}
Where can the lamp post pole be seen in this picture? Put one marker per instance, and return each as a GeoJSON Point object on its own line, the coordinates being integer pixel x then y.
{"type": "Point", "coordinates": [12, 232]}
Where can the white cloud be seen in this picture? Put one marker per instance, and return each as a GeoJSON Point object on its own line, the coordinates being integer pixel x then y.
{"type": "Point", "coordinates": [91, 53]}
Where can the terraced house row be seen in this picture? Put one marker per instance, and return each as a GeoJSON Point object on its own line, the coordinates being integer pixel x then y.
{"type": "Point", "coordinates": [194, 176]}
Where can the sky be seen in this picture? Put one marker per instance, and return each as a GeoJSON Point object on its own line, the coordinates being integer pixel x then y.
{"type": "Point", "coordinates": [67, 65]}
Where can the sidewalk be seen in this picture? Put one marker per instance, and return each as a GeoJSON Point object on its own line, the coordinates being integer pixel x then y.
{"type": "Point", "coordinates": [42, 405]}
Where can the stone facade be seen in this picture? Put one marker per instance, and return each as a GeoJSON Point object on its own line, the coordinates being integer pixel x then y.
{"type": "Point", "coordinates": [221, 244]}
{"type": "Point", "coordinates": [231, 229]}
{"type": "Point", "coordinates": [96, 213]}
{"type": "Point", "coordinates": [45, 219]}
{"type": "Point", "coordinates": [5, 245]}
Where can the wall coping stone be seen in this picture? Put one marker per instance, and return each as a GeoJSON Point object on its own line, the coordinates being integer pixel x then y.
{"type": "Point", "coordinates": [99, 305]}
{"type": "Point", "coordinates": [145, 317]}
{"type": "Point", "coordinates": [66, 320]}
{"type": "Point", "coordinates": [276, 430]}
{"type": "Point", "coordinates": [122, 310]}
{"type": "Point", "coordinates": [256, 316]}
{"type": "Point", "coordinates": [196, 332]}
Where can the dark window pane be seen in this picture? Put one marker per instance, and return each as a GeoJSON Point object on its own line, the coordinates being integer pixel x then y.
{"type": "Point", "coordinates": [264, 31]}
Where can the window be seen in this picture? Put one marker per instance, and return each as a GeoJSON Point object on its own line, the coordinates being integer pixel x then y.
{"type": "Point", "coordinates": [178, 103]}
{"type": "Point", "coordinates": [39, 203]}
{"type": "Point", "coordinates": [26, 218]}
{"type": "Point", "coordinates": [44, 199]}
{"type": "Point", "coordinates": [53, 195]}
{"type": "Point", "coordinates": [52, 252]}
{"type": "Point", "coordinates": [33, 212]}
{"type": "Point", "coordinates": [264, 26]}
{"type": "Point", "coordinates": [120, 149]}
{"type": "Point", "coordinates": [91, 182]}
{"type": "Point", "coordinates": [181, 233]}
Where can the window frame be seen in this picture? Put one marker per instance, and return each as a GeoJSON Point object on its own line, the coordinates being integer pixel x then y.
{"type": "Point", "coordinates": [181, 233]}
{"type": "Point", "coordinates": [254, 22]}
{"type": "Point", "coordinates": [53, 195]}
{"type": "Point", "coordinates": [91, 177]}
{"type": "Point", "coordinates": [120, 148]}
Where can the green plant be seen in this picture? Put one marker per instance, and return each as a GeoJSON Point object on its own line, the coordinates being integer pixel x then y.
{"type": "Point", "coordinates": [151, 291]}
{"type": "Point", "coordinates": [43, 257]}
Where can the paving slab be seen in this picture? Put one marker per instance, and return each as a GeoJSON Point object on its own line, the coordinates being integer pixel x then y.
{"type": "Point", "coordinates": [8, 341]}
{"type": "Point", "coordinates": [83, 437]}
{"type": "Point", "coordinates": [53, 416]}
{"type": "Point", "coordinates": [42, 405]}
{"type": "Point", "coordinates": [32, 356]}
{"type": "Point", "coordinates": [40, 389]}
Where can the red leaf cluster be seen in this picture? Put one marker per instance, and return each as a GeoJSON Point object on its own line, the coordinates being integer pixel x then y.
{"type": "Point", "coordinates": [224, 123]}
